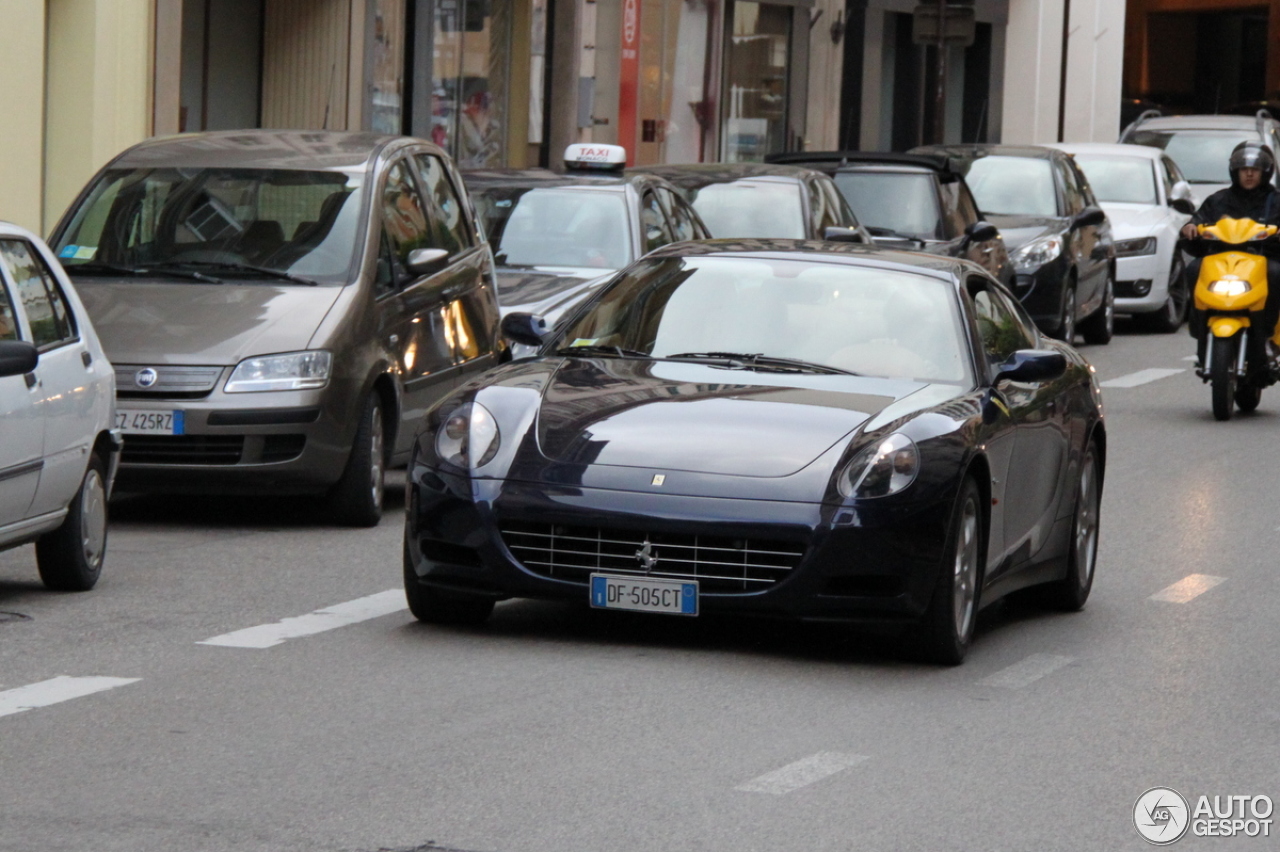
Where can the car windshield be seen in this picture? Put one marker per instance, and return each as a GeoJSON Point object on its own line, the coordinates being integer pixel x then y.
{"type": "Point", "coordinates": [304, 223]}
{"type": "Point", "coordinates": [1123, 180]}
{"type": "Point", "coordinates": [564, 226]}
{"type": "Point", "coordinates": [745, 209]}
{"type": "Point", "coordinates": [1013, 186]}
{"type": "Point", "coordinates": [1201, 154]}
{"type": "Point", "coordinates": [904, 203]}
{"type": "Point", "coordinates": [867, 321]}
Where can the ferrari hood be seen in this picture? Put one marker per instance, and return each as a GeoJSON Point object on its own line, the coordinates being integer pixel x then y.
{"type": "Point", "coordinates": [193, 323]}
{"type": "Point", "coordinates": [698, 418]}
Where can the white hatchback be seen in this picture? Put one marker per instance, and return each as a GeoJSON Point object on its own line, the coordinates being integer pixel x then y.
{"type": "Point", "coordinates": [1147, 201]}
{"type": "Point", "coordinates": [60, 447]}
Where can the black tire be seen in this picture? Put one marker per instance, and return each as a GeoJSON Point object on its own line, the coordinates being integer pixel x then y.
{"type": "Point", "coordinates": [356, 499]}
{"type": "Point", "coordinates": [1222, 375]}
{"type": "Point", "coordinates": [70, 558]}
{"type": "Point", "coordinates": [1066, 328]}
{"type": "Point", "coordinates": [1100, 325]}
{"type": "Point", "coordinates": [947, 627]}
{"type": "Point", "coordinates": [432, 606]}
{"type": "Point", "coordinates": [1248, 398]}
{"type": "Point", "coordinates": [1170, 316]}
{"type": "Point", "coordinates": [1070, 593]}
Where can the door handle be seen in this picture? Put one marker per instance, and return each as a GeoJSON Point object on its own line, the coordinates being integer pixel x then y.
{"type": "Point", "coordinates": [30, 379]}
{"type": "Point", "coordinates": [86, 358]}
{"type": "Point", "coordinates": [393, 339]}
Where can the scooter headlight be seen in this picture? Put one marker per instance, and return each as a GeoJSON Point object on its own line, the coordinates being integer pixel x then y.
{"type": "Point", "coordinates": [1230, 287]}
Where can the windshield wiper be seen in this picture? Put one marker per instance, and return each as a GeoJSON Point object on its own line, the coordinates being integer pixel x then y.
{"type": "Point", "coordinates": [758, 360]}
{"type": "Point", "coordinates": [246, 267]}
{"type": "Point", "coordinates": [98, 268]}
{"type": "Point", "coordinates": [616, 351]}
{"type": "Point", "coordinates": [894, 235]}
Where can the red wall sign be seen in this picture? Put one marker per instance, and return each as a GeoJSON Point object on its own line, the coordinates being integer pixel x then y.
{"type": "Point", "coordinates": [629, 91]}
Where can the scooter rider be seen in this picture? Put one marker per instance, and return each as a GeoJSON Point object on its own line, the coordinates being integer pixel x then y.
{"type": "Point", "coordinates": [1250, 196]}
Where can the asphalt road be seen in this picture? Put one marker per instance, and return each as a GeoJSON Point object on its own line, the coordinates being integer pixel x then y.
{"type": "Point", "coordinates": [559, 729]}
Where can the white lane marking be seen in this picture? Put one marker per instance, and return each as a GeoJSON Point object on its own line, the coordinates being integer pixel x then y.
{"type": "Point", "coordinates": [802, 773]}
{"type": "Point", "coordinates": [329, 618]}
{"type": "Point", "coordinates": [55, 691]}
{"type": "Point", "coordinates": [1188, 588]}
{"type": "Point", "coordinates": [1190, 358]}
{"type": "Point", "coordinates": [1027, 671]}
{"type": "Point", "coordinates": [1142, 377]}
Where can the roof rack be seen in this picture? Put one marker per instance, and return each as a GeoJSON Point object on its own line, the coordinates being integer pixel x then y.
{"type": "Point", "coordinates": [1148, 114]}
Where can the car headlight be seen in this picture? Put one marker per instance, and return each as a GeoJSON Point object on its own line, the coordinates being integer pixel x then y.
{"type": "Point", "coordinates": [468, 437]}
{"type": "Point", "coordinates": [883, 468]}
{"type": "Point", "coordinates": [1136, 248]}
{"type": "Point", "coordinates": [1036, 254]}
{"type": "Point", "coordinates": [1230, 287]}
{"type": "Point", "coordinates": [289, 371]}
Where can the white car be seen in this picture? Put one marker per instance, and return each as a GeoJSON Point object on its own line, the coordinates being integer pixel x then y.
{"type": "Point", "coordinates": [1148, 202]}
{"type": "Point", "coordinates": [59, 447]}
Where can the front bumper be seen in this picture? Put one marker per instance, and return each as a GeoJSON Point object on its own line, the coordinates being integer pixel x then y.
{"type": "Point", "coordinates": [1141, 286]}
{"type": "Point", "coordinates": [849, 564]}
{"type": "Point", "coordinates": [290, 442]}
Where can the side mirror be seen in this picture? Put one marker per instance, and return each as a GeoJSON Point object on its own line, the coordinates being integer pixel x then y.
{"type": "Point", "coordinates": [17, 357]}
{"type": "Point", "coordinates": [833, 234]}
{"type": "Point", "coordinates": [1183, 205]}
{"type": "Point", "coordinates": [1032, 365]}
{"type": "Point", "coordinates": [425, 261]}
{"type": "Point", "coordinates": [981, 231]}
{"type": "Point", "coordinates": [1089, 217]}
{"type": "Point", "coordinates": [1181, 198]}
{"type": "Point", "coordinates": [524, 328]}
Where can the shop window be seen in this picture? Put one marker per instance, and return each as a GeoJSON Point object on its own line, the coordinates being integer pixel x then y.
{"type": "Point", "coordinates": [756, 81]}
{"type": "Point", "coordinates": [470, 74]}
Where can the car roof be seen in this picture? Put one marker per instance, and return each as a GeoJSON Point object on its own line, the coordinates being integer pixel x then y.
{"type": "Point", "coordinates": [853, 254]}
{"type": "Point", "coordinates": [698, 175]}
{"type": "Point", "coordinates": [545, 178]}
{"type": "Point", "coordinates": [973, 152]}
{"type": "Point", "coordinates": [264, 149]}
{"type": "Point", "coordinates": [1201, 122]}
{"type": "Point", "coordinates": [1110, 149]}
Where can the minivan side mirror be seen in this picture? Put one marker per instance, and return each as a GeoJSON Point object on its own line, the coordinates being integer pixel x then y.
{"type": "Point", "coordinates": [1032, 365]}
{"type": "Point", "coordinates": [17, 357]}
{"type": "Point", "coordinates": [524, 328]}
{"type": "Point", "coordinates": [1089, 217]}
{"type": "Point", "coordinates": [833, 234]}
{"type": "Point", "coordinates": [425, 261]}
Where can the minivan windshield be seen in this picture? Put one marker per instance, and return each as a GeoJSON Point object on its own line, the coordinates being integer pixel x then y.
{"type": "Point", "coordinates": [222, 221]}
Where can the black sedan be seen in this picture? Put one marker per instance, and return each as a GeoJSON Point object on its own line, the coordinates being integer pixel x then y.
{"type": "Point", "coordinates": [912, 201]}
{"type": "Point", "coordinates": [758, 201]}
{"type": "Point", "coordinates": [812, 430]}
{"type": "Point", "coordinates": [1058, 236]}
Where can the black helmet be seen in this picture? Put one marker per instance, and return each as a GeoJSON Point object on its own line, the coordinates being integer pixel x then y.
{"type": "Point", "coordinates": [1252, 155]}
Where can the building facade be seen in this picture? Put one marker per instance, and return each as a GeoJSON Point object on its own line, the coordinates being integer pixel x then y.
{"type": "Point", "coordinates": [512, 82]}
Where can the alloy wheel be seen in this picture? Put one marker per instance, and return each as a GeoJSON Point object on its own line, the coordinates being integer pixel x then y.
{"type": "Point", "coordinates": [376, 456]}
{"type": "Point", "coordinates": [966, 570]}
{"type": "Point", "coordinates": [1086, 543]}
{"type": "Point", "coordinates": [93, 519]}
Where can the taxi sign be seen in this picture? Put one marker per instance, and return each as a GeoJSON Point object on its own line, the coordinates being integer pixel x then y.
{"type": "Point", "coordinates": [595, 157]}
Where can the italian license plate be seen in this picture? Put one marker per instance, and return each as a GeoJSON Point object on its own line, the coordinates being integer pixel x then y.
{"type": "Point", "coordinates": [138, 422]}
{"type": "Point", "coordinates": [644, 594]}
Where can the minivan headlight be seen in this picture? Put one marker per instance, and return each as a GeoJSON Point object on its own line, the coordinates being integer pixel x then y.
{"type": "Point", "coordinates": [468, 438]}
{"type": "Point", "coordinates": [880, 469]}
{"type": "Point", "coordinates": [288, 371]}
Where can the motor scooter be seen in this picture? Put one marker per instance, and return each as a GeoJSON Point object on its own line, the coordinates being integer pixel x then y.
{"type": "Point", "coordinates": [1230, 295]}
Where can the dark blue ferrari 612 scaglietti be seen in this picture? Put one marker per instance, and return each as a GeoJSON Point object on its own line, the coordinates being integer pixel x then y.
{"type": "Point", "coordinates": [813, 430]}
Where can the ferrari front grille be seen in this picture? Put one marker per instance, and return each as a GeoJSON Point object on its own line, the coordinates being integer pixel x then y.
{"type": "Point", "coordinates": [720, 563]}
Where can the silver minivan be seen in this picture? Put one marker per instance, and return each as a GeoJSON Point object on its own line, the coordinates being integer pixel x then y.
{"type": "Point", "coordinates": [280, 306]}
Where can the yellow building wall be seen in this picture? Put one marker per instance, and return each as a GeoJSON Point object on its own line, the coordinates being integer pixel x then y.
{"type": "Point", "coordinates": [98, 97]}
{"type": "Point", "coordinates": [22, 105]}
